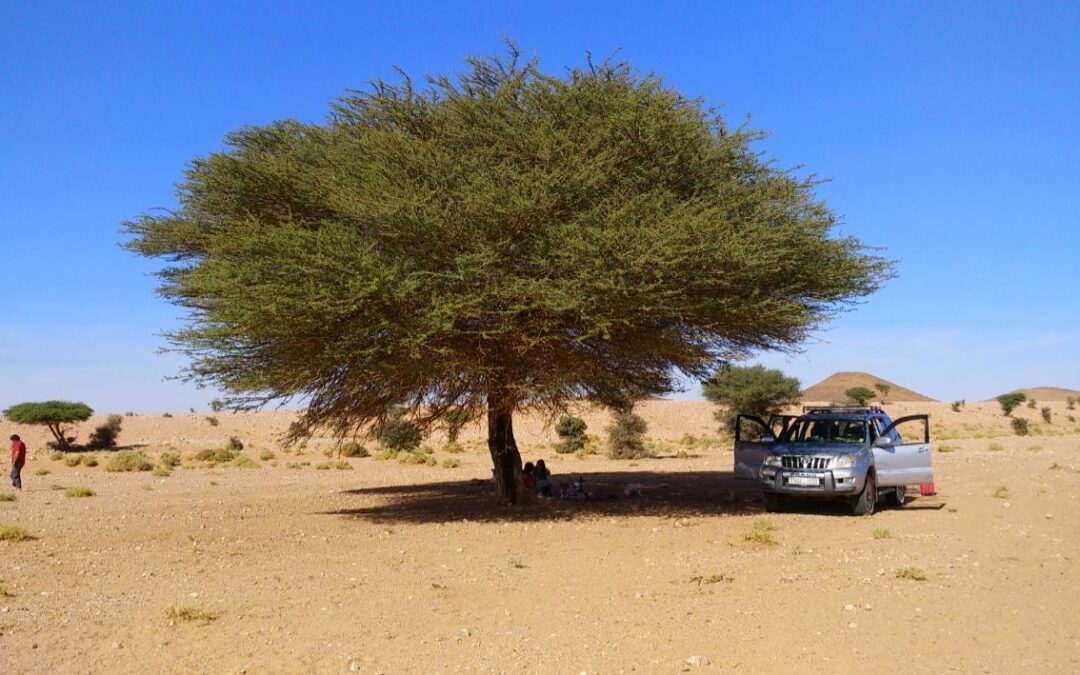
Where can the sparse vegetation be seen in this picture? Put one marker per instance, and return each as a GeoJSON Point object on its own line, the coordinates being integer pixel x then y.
{"type": "Point", "coordinates": [245, 462]}
{"type": "Point", "coordinates": [42, 472]}
{"type": "Point", "coordinates": [216, 455]}
{"type": "Point", "coordinates": [7, 496]}
{"type": "Point", "coordinates": [882, 533]}
{"type": "Point", "coordinates": [169, 459]}
{"type": "Point", "coordinates": [212, 420]}
{"type": "Point", "coordinates": [161, 472]}
{"type": "Point", "coordinates": [352, 449]}
{"type": "Point", "coordinates": [1047, 414]}
{"type": "Point", "coordinates": [911, 572]}
{"type": "Point", "coordinates": [57, 456]}
{"type": "Point", "coordinates": [945, 447]}
{"type": "Point", "coordinates": [1034, 448]}
{"type": "Point", "coordinates": [234, 444]}
{"type": "Point", "coordinates": [1031, 403]}
{"type": "Point", "coordinates": [1008, 402]}
{"type": "Point", "coordinates": [187, 614]}
{"type": "Point", "coordinates": [89, 460]}
{"type": "Point", "coordinates": [129, 460]}
{"type": "Point", "coordinates": [702, 580]}
{"type": "Point", "coordinates": [571, 433]}
{"type": "Point", "coordinates": [1070, 402]}
{"type": "Point", "coordinates": [266, 455]}
{"type": "Point", "coordinates": [74, 492]}
{"type": "Point", "coordinates": [761, 533]}
{"type": "Point", "coordinates": [14, 533]}
{"type": "Point", "coordinates": [451, 463]}
{"type": "Point", "coordinates": [342, 465]}
{"type": "Point", "coordinates": [957, 405]}
{"type": "Point", "coordinates": [1020, 426]}
{"type": "Point", "coordinates": [752, 390]}
{"type": "Point", "coordinates": [72, 460]}
{"type": "Point", "coordinates": [884, 389]}
{"type": "Point", "coordinates": [1001, 493]}
{"type": "Point", "coordinates": [995, 447]}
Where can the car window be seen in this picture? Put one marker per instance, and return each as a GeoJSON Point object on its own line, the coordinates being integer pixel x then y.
{"type": "Point", "coordinates": [893, 434]}
{"type": "Point", "coordinates": [827, 431]}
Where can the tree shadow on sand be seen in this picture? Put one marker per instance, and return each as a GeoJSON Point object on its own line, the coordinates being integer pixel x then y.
{"type": "Point", "coordinates": [672, 495]}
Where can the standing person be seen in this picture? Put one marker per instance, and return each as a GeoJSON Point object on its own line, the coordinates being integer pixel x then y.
{"type": "Point", "coordinates": [18, 459]}
{"type": "Point", "coordinates": [543, 478]}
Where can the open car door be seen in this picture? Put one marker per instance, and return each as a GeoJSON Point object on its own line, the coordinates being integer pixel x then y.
{"type": "Point", "coordinates": [753, 438]}
{"type": "Point", "coordinates": [899, 461]}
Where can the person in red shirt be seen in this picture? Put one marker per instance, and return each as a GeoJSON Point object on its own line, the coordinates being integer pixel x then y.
{"type": "Point", "coordinates": [18, 459]}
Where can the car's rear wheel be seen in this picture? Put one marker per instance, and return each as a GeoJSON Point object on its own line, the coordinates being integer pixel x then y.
{"type": "Point", "coordinates": [864, 503]}
{"type": "Point", "coordinates": [898, 495]}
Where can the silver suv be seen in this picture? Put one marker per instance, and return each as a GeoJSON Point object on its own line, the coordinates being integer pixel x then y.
{"type": "Point", "coordinates": [839, 452]}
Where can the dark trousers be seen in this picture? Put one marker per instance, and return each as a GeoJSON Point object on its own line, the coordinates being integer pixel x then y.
{"type": "Point", "coordinates": [16, 476]}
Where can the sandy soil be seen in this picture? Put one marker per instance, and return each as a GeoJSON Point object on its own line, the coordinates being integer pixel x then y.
{"type": "Point", "coordinates": [398, 568]}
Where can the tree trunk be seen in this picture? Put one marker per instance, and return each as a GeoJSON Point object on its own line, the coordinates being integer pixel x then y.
{"type": "Point", "coordinates": [509, 488]}
{"type": "Point", "coordinates": [58, 434]}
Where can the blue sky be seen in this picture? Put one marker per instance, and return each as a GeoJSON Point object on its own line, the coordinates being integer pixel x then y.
{"type": "Point", "coordinates": [950, 133]}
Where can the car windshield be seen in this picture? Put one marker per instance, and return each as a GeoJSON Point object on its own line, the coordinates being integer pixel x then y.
{"type": "Point", "coordinates": [826, 431]}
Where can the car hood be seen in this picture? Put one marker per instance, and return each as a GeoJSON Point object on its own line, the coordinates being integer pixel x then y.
{"type": "Point", "coordinates": [816, 448]}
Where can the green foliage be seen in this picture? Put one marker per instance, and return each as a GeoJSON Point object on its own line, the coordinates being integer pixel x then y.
{"type": "Point", "coordinates": [507, 236]}
{"type": "Point", "coordinates": [89, 460]}
{"type": "Point", "coordinates": [882, 533]}
{"type": "Point", "coordinates": [245, 462]}
{"type": "Point", "coordinates": [187, 614]}
{"type": "Point", "coordinates": [455, 419]}
{"type": "Point", "coordinates": [1047, 414]}
{"type": "Point", "coordinates": [1020, 426]}
{"type": "Point", "coordinates": [129, 460]}
{"type": "Point", "coordinates": [1008, 402]}
{"type": "Point", "coordinates": [883, 389]}
{"type": "Point", "coordinates": [910, 572]}
{"type": "Point", "coordinates": [74, 492]}
{"type": "Point", "coordinates": [753, 390]}
{"type": "Point", "coordinates": [216, 455]}
{"type": "Point", "coordinates": [859, 395]}
{"type": "Point", "coordinates": [104, 437]}
{"type": "Point", "coordinates": [55, 415]}
{"type": "Point", "coordinates": [352, 449]}
{"type": "Point", "coordinates": [761, 533]}
{"type": "Point", "coordinates": [571, 433]}
{"type": "Point", "coordinates": [398, 433]}
{"type": "Point", "coordinates": [169, 459]}
{"type": "Point", "coordinates": [626, 437]}
{"type": "Point", "coordinates": [72, 460]}
{"type": "Point", "coordinates": [14, 533]}
{"type": "Point", "coordinates": [266, 455]}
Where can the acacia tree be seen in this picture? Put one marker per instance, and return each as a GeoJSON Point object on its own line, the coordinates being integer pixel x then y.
{"type": "Point", "coordinates": [502, 240]}
{"type": "Point", "coordinates": [55, 415]}
{"type": "Point", "coordinates": [753, 390]}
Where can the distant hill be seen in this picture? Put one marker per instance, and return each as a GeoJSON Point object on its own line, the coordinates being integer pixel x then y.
{"type": "Point", "coordinates": [1048, 393]}
{"type": "Point", "coordinates": [832, 388]}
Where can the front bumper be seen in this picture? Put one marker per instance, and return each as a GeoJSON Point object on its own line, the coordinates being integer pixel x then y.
{"type": "Point", "coordinates": [821, 483]}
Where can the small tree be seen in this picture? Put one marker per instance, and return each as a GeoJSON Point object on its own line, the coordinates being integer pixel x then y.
{"type": "Point", "coordinates": [1070, 403]}
{"type": "Point", "coordinates": [626, 436]}
{"type": "Point", "coordinates": [956, 405]}
{"type": "Point", "coordinates": [1008, 402]}
{"type": "Point", "coordinates": [1046, 414]}
{"type": "Point", "coordinates": [859, 395]}
{"type": "Point", "coordinates": [884, 389]}
{"type": "Point", "coordinates": [1020, 426]}
{"type": "Point", "coordinates": [398, 433]}
{"type": "Point", "coordinates": [1031, 403]}
{"type": "Point", "coordinates": [53, 414]}
{"type": "Point", "coordinates": [571, 431]}
{"type": "Point", "coordinates": [104, 437]}
{"type": "Point", "coordinates": [753, 390]}
{"type": "Point", "coordinates": [455, 419]}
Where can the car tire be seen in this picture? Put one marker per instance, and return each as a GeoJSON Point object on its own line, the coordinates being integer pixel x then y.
{"type": "Point", "coordinates": [773, 502]}
{"type": "Point", "coordinates": [898, 495]}
{"type": "Point", "coordinates": [865, 502]}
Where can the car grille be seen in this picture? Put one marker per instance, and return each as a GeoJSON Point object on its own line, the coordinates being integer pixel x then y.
{"type": "Point", "coordinates": [805, 462]}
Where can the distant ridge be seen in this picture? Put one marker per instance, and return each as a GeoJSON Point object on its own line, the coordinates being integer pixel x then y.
{"type": "Point", "coordinates": [1048, 393]}
{"type": "Point", "coordinates": [833, 388]}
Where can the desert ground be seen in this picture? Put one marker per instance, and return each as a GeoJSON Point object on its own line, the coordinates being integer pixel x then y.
{"type": "Point", "coordinates": [384, 567]}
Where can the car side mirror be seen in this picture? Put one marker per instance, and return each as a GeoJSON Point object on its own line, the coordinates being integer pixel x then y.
{"type": "Point", "coordinates": [883, 442]}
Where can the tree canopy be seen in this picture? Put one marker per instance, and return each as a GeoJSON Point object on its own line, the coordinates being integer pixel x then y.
{"type": "Point", "coordinates": [498, 240]}
{"type": "Point", "coordinates": [859, 395]}
{"type": "Point", "coordinates": [52, 414]}
{"type": "Point", "coordinates": [754, 390]}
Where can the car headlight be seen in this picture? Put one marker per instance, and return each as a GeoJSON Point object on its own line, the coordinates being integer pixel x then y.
{"type": "Point", "coordinates": [772, 460]}
{"type": "Point", "coordinates": [844, 462]}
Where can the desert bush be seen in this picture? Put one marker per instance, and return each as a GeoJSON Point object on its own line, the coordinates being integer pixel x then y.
{"type": "Point", "coordinates": [1001, 493]}
{"type": "Point", "coordinates": [216, 455]}
{"type": "Point", "coordinates": [161, 472]}
{"type": "Point", "coordinates": [14, 533]}
{"type": "Point", "coordinates": [74, 492]}
{"type": "Point", "coordinates": [882, 533]}
{"type": "Point", "coordinates": [212, 420]}
{"type": "Point", "coordinates": [42, 472]}
{"type": "Point", "coordinates": [342, 465]}
{"type": "Point", "coordinates": [945, 447]}
{"type": "Point", "coordinates": [761, 533]}
{"type": "Point", "coordinates": [995, 447]}
{"type": "Point", "coordinates": [1034, 448]}
{"type": "Point", "coordinates": [384, 453]}
{"type": "Point", "coordinates": [956, 405]}
{"type": "Point", "coordinates": [1031, 403]}
{"type": "Point", "coordinates": [352, 449]}
{"type": "Point", "coordinates": [322, 466]}
{"type": "Point", "coordinates": [398, 433]}
{"type": "Point", "coordinates": [626, 436]}
{"type": "Point", "coordinates": [166, 414]}
{"type": "Point", "coordinates": [57, 456]}
{"type": "Point", "coordinates": [266, 455]}
{"type": "Point", "coordinates": [169, 459]}
{"type": "Point", "coordinates": [1047, 414]}
{"type": "Point", "coordinates": [7, 496]}
{"type": "Point", "coordinates": [182, 614]}
{"type": "Point", "coordinates": [416, 457]}
{"type": "Point", "coordinates": [859, 395]}
{"type": "Point", "coordinates": [571, 433]}
{"type": "Point", "coordinates": [910, 572]}
{"type": "Point", "coordinates": [129, 460]}
{"type": "Point", "coordinates": [72, 460]}
{"type": "Point", "coordinates": [234, 444]}
{"type": "Point", "coordinates": [104, 437]}
{"type": "Point", "coordinates": [89, 460]}
{"type": "Point", "coordinates": [1070, 403]}
{"type": "Point", "coordinates": [453, 448]}
{"type": "Point", "coordinates": [1020, 426]}
{"type": "Point", "coordinates": [245, 462]}
{"type": "Point", "coordinates": [1008, 402]}
{"type": "Point", "coordinates": [753, 390]}
{"type": "Point", "coordinates": [451, 463]}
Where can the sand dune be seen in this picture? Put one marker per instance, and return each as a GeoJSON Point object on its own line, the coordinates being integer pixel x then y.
{"type": "Point", "coordinates": [833, 388]}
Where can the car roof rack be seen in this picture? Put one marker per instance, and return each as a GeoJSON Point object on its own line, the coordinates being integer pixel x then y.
{"type": "Point", "coordinates": [822, 409]}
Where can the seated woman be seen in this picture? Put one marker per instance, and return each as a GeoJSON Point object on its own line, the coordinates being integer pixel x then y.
{"type": "Point", "coordinates": [543, 478]}
{"type": "Point", "coordinates": [528, 476]}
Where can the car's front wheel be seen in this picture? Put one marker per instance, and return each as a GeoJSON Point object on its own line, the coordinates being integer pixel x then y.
{"type": "Point", "coordinates": [864, 503]}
